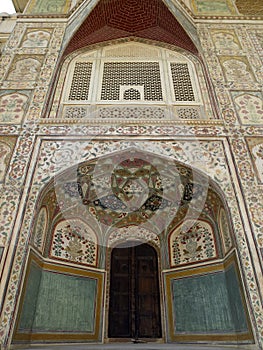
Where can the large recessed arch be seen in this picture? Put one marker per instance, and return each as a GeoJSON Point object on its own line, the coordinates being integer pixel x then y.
{"type": "Point", "coordinates": [152, 19]}
{"type": "Point", "coordinates": [137, 188]}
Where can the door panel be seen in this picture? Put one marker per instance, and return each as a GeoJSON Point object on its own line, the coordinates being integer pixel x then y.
{"type": "Point", "coordinates": [134, 293]}
{"type": "Point", "coordinates": [119, 317]}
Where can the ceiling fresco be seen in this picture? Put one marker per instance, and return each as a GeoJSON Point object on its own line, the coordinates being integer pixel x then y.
{"type": "Point", "coordinates": [132, 188]}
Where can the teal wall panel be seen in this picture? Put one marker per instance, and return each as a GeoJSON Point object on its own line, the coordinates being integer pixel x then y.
{"type": "Point", "coordinates": [235, 300]}
{"type": "Point", "coordinates": [30, 300]}
{"type": "Point", "coordinates": [57, 302]}
{"type": "Point", "coordinates": [65, 303]}
{"type": "Point", "coordinates": [208, 303]}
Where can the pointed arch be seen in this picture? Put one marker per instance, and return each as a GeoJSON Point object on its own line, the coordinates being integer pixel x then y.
{"type": "Point", "coordinates": [150, 19]}
{"type": "Point", "coordinates": [138, 188]}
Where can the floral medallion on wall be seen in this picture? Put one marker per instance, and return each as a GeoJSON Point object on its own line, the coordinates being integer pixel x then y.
{"type": "Point", "coordinates": [74, 241]}
{"type": "Point", "coordinates": [194, 245]}
{"type": "Point", "coordinates": [23, 72]}
{"type": "Point", "coordinates": [36, 38]}
{"type": "Point", "coordinates": [249, 106]}
{"type": "Point", "coordinates": [237, 70]}
{"type": "Point", "coordinates": [24, 69]}
{"type": "Point", "coordinates": [225, 40]}
{"type": "Point", "coordinates": [12, 107]}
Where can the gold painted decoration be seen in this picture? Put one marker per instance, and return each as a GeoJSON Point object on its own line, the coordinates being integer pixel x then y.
{"type": "Point", "coordinates": [250, 8]}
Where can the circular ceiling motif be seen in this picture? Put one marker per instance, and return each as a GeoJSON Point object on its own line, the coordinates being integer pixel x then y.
{"type": "Point", "coordinates": [135, 187]}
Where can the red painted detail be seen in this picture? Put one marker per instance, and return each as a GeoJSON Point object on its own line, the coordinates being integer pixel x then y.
{"type": "Point", "coordinates": [113, 19]}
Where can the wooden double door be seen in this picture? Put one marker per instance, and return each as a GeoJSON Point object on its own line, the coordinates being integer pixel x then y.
{"type": "Point", "coordinates": [134, 309]}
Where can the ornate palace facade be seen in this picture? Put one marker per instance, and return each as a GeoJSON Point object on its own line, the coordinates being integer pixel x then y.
{"type": "Point", "coordinates": [131, 172]}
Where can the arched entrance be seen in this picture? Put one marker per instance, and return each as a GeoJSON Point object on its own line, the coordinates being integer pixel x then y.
{"type": "Point", "coordinates": [134, 309]}
{"type": "Point", "coordinates": [203, 298]}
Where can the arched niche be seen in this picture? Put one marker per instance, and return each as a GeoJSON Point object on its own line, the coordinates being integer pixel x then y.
{"type": "Point", "coordinates": [171, 200]}
{"type": "Point", "coordinates": [203, 299]}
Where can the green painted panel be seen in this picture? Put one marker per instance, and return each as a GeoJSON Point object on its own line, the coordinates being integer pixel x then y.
{"type": "Point", "coordinates": [65, 303]}
{"type": "Point", "coordinates": [30, 300]}
{"type": "Point", "coordinates": [235, 300]}
{"type": "Point", "coordinates": [207, 304]}
{"type": "Point", "coordinates": [220, 7]}
{"type": "Point", "coordinates": [48, 6]}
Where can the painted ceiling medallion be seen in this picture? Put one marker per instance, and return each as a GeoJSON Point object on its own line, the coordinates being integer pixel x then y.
{"type": "Point", "coordinates": [134, 187]}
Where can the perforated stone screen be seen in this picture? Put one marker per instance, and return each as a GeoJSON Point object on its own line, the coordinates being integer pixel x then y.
{"type": "Point", "coordinates": [183, 89]}
{"type": "Point", "coordinates": [131, 75]}
{"type": "Point", "coordinates": [116, 74]}
{"type": "Point", "coordinates": [79, 90]}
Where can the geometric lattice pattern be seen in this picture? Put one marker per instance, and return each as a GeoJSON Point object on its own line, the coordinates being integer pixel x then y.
{"type": "Point", "coordinates": [183, 89]}
{"type": "Point", "coordinates": [81, 80]}
{"type": "Point", "coordinates": [131, 112]}
{"type": "Point", "coordinates": [146, 74]}
{"type": "Point", "coordinates": [188, 113]}
{"type": "Point", "coordinates": [75, 112]}
{"type": "Point", "coordinates": [132, 94]}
